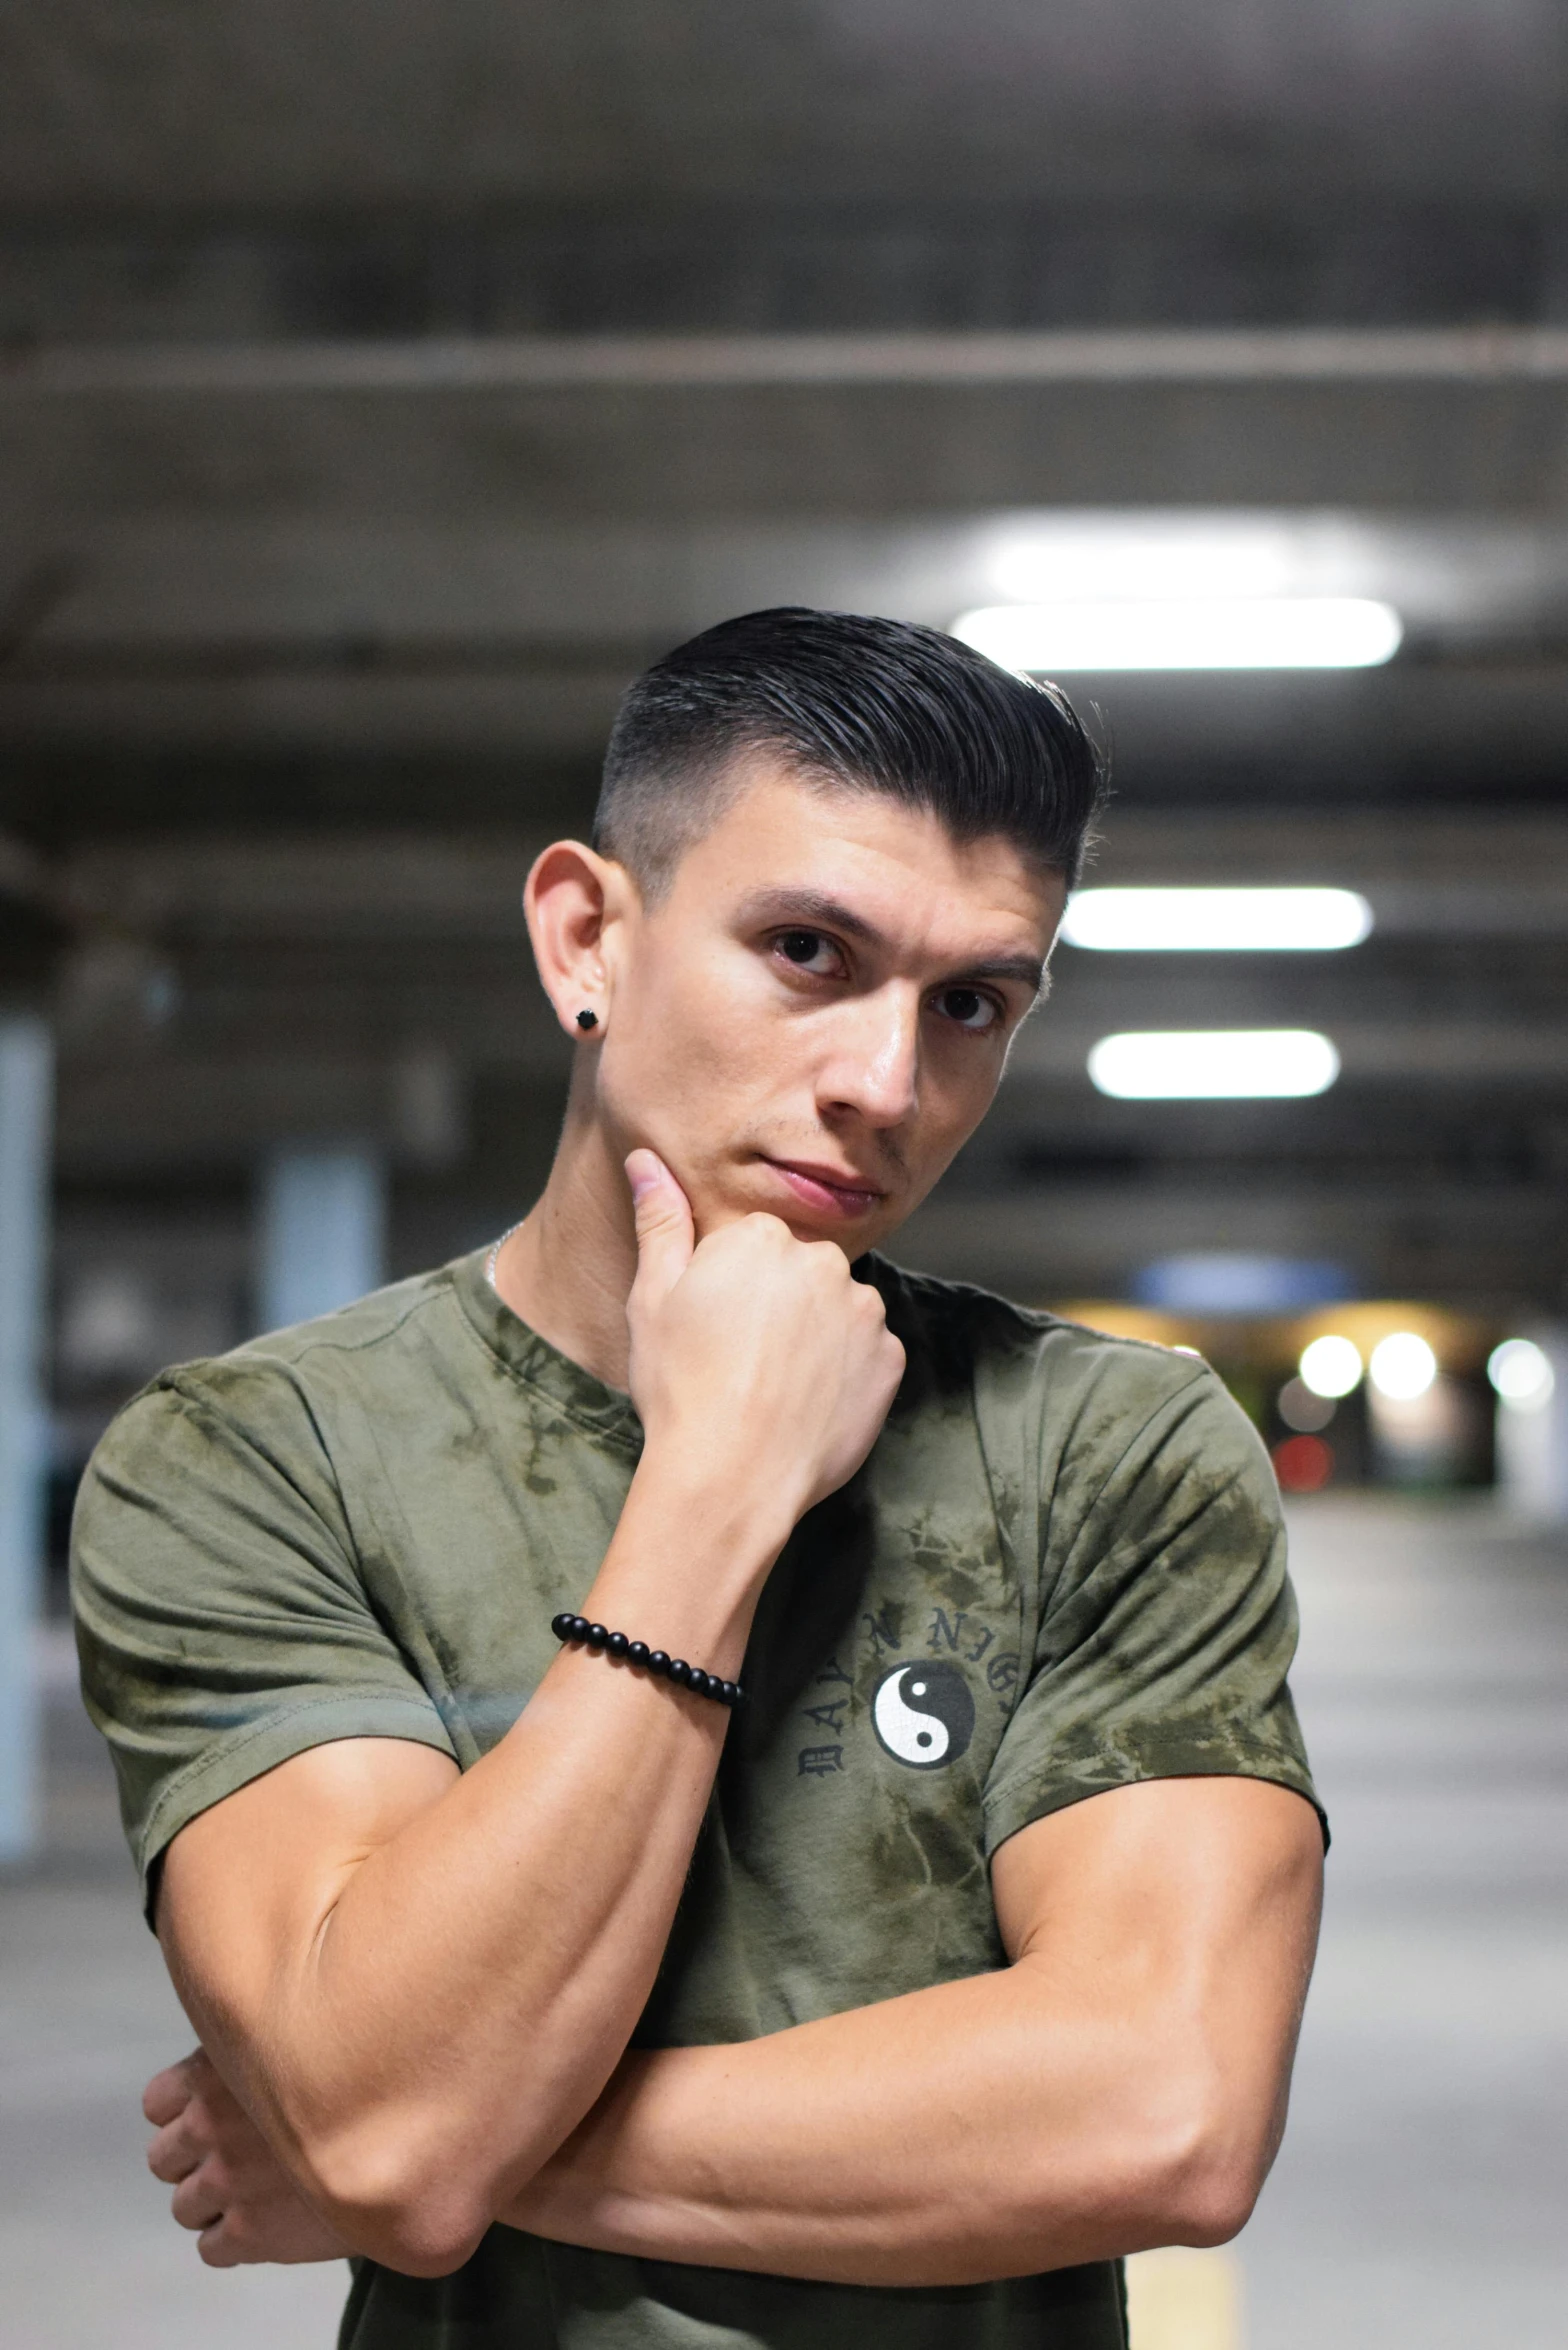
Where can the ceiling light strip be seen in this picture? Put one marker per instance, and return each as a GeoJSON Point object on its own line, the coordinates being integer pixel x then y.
{"type": "Point", "coordinates": [1213, 1064]}
{"type": "Point", "coordinates": [1243, 632]}
{"type": "Point", "coordinates": [1216, 921]}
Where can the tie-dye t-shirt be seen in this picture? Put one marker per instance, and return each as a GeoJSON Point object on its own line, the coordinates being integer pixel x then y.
{"type": "Point", "coordinates": [1061, 1570]}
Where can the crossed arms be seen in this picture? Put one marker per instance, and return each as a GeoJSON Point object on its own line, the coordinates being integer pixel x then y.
{"type": "Point", "coordinates": [1120, 2084]}
{"type": "Point", "coordinates": [420, 1987]}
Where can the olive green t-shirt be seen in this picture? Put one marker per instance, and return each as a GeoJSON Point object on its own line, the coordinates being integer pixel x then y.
{"type": "Point", "coordinates": [1060, 1570]}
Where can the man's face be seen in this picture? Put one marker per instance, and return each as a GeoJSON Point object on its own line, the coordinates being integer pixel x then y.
{"type": "Point", "coordinates": [815, 1016]}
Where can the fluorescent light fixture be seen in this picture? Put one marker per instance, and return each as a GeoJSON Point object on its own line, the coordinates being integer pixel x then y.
{"type": "Point", "coordinates": [1213, 1064]}
{"type": "Point", "coordinates": [1330, 1366]}
{"type": "Point", "coordinates": [1403, 1366]}
{"type": "Point", "coordinates": [1216, 921]}
{"type": "Point", "coordinates": [1247, 632]}
{"type": "Point", "coordinates": [1522, 1374]}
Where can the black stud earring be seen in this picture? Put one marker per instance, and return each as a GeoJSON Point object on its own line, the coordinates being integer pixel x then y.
{"type": "Point", "coordinates": [587, 1020]}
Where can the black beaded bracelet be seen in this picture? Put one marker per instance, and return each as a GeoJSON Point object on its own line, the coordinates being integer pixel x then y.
{"type": "Point", "coordinates": [578, 1630]}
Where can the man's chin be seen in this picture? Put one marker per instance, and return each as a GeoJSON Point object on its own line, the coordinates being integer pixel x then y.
{"type": "Point", "coordinates": [759, 1191]}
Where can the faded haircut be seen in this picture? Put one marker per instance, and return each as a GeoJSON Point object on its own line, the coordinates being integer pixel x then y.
{"type": "Point", "coordinates": [869, 705]}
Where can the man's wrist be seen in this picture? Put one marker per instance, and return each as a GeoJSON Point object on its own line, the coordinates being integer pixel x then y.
{"type": "Point", "coordinates": [737, 1520]}
{"type": "Point", "coordinates": [689, 1559]}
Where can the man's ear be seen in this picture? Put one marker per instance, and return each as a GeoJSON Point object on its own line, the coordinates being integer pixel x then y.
{"type": "Point", "coordinates": [575, 901]}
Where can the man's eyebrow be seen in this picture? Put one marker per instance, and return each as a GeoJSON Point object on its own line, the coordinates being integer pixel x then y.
{"type": "Point", "coordinates": [1027, 969]}
{"type": "Point", "coordinates": [811, 907]}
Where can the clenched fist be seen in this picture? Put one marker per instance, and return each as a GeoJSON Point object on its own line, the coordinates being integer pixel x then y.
{"type": "Point", "coordinates": [758, 1362]}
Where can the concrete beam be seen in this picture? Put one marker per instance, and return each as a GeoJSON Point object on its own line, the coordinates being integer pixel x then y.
{"type": "Point", "coordinates": [1438, 871]}
{"type": "Point", "coordinates": [482, 430]}
{"type": "Point", "coordinates": [1100, 357]}
{"type": "Point", "coordinates": [923, 262]}
{"type": "Point", "coordinates": [1399, 732]}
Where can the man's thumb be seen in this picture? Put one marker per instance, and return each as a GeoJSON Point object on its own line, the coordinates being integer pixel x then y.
{"type": "Point", "coordinates": [665, 1237]}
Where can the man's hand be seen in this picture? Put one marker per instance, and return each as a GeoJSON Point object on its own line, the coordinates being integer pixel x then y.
{"type": "Point", "coordinates": [758, 1361]}
{"type": "Point", "coordinates": [229, 2187]}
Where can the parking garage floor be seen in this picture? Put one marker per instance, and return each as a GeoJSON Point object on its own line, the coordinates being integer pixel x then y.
{"type": "Point", "coordinates": [1419, 2201]}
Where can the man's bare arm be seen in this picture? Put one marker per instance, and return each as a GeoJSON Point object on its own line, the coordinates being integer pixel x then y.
{"type": "Point", "coordinates": [1121, 2084]}
{"type": "Point", "coordinates": [419, 1983]}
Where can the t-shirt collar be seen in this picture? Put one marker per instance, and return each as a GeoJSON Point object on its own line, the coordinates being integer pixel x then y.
{"type": "Point", "coordinates": [600, 1410]}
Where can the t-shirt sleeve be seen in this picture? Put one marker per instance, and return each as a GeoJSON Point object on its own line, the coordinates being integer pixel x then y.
{"type": "Point", "coordinates": [222, 1622]}
{"type": "Point", "coordinates": [1167, 1621]}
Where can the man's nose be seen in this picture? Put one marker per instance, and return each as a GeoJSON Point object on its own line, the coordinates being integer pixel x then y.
{"type": "Point", "coordinates": [875, 1066]}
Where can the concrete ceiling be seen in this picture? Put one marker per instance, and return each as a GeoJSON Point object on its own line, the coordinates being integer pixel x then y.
{"type": "Point", "coordinates": [142, 104]}
{"type": "Point", "coordinates": [391, 383]}
{"type": "Point", "coordinates": [379, 388]}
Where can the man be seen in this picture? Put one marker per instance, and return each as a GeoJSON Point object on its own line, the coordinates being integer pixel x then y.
{"type": "Point", "coordinates": [968, 1953]}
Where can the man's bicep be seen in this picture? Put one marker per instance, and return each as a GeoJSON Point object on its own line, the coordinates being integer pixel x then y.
{"type": "Point", "coordinates": [1173, 1923]}
{"type": "Point", "coordinates": [1205, 1878]}
{"type": "Point", "coordinates": [246, 1886]}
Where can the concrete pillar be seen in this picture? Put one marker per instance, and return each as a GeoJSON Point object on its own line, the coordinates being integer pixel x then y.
{"type": "Point", "coordinates": [323, 1232]}
{"type": "Point", "coordinates": [1532, 1437]}
{"type": "Point", "coordinates": [26, 1129]}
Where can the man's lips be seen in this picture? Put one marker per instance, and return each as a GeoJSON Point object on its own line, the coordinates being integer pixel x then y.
{"type": "Point", "coordinates": [825, 1187]}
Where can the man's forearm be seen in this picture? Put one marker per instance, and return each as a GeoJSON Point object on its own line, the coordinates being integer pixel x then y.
{"type": "Point", "coordinates": [981, 2129]}
{"type": "Point", "coordinates": [1122, 2084]}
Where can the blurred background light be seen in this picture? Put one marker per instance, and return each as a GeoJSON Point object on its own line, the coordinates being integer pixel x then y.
{"type": "Point", "coordinates": [1302, 1408]}
{"type": "Point", "coordinates": [1233, 632]}
{"type": "Point", "coordinates": [1216, 921]}
{"type": "Point", "coordinates": [1522, 1374]}
{"type": "Point", "coordinates": [1303, 1464]}
{"type": "Point", "coordinates": [1213, 1064]}
{"type": "Point", "coordinates": [1403, 1366]}
{"type": "Point", "coordinates": [1331, 1366]}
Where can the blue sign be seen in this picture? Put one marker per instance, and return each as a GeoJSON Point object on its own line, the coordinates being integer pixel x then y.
{"type": "Point", "coordinates": [1225, 1281]}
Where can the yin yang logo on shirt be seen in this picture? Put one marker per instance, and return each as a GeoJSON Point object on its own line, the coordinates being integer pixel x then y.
{"type": "Point", "coordinates": [924, 1714]}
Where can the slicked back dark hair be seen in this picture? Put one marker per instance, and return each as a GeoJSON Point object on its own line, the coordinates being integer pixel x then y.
{"type": "Point", "coordinates": [873, 705]}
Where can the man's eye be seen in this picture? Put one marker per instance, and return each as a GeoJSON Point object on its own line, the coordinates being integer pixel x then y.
{"type": "Point", "coordinates": [808, 950]}
{"type": "Point", "coordinates": [966, 1007]}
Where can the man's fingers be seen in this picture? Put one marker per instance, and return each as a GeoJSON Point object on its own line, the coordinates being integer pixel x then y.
{"type": "Point", "coordinates": [196, 2202]}
{"type": "Point", "coordinates": [169, 2092]}
{"type": "Point", "coordinates": [665, 1237]}
{"type": "Point", "coordinates": [174, 2154]}
{"type": "Point", "coordinates": [218, 2247]}
{"type": "Point", "coordinates": [230, 2191]}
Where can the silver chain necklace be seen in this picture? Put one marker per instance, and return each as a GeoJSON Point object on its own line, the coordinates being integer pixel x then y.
{"type": "Point", "coordinates": [496, 1247]}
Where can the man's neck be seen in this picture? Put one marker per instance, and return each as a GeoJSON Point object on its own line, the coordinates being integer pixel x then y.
{"type": "Point", "coordinates": [569, 1266]}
